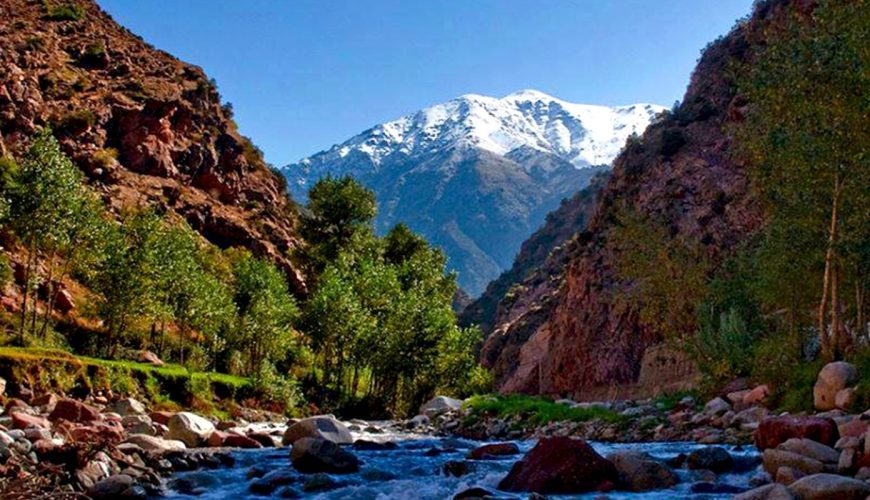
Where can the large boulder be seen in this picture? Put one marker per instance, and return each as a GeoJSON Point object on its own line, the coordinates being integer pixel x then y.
{"type": "Point", "coordinates": [440, 404]}
{"type": "Point", "coordinates": [774, 431]}
{"type": "Point", "coordinates": [812, 449]}
{"type": "Point", "coordinates": [74, 411]}
{"type": "Point", "coordinates": [829, 487]}
{"type": "Point", "coordinates": [833, 378]}
{"type": "Point", "coordinates": [311, 455]}
{"type": "Point", "coordinates": [640, 472]}
{"type": "Point", "coordinates": [711, 458]}
{"type": "Point", "coordinates": [190, 428]}
{"type": "Point", "coordinates": [561, 465]}
{"type": "Point", "coordinates": [321, 427]}
{"type": "Point", "coordinates": [774, 459]}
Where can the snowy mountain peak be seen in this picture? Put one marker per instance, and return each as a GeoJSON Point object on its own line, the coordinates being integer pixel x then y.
{"type": "Point", "coordinates": [581, 134]}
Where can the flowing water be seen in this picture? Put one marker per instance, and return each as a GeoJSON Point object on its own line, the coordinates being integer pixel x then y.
{"type": "Point", "coordinates": [413, 471]}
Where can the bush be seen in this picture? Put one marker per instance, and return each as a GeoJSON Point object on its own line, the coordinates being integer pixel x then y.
{"type": "Point", "coordinates": [76, 122]}
{"type": "Point", "coordinates": [724, 346]}
{"type": "Point", "coordinates": [66, 11]}
{"type": "Point", "coordinates": [538, 411]}
{"type": "Point", "coordinates": [673, 140]}
{"type": "Point", "coordinates": [273, 388]}
{"type": "Point", "coordinates": [105, 158]}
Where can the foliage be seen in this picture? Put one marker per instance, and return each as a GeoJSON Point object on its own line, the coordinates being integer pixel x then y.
{"type": "Point", "coordinates": [538, 411]}
{"type": "Point", "coordinates": [806, 140]}
{"type": "Point", "coordinates": [57, 219]}
{"type": "Point", "coordinates": [64, 11]}
{"type": "Point", "coordinates": [666, 275]}
{"type": "Point", "coordinates": [380, 318]}
{"type": "Point", "coordinates": [337, 209]}
{"type": "Point", "coordinates": [265, 312]}
{"type": "Point", "coordinates": [724, 346]}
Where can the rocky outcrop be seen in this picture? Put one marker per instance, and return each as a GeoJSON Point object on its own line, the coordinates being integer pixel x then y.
{"type": "Point", "coordinates": [145, 128]}
{"type": "Point", "coordinates": [774, 431]}
{"type": "Point", "coordinates": [582, 338]}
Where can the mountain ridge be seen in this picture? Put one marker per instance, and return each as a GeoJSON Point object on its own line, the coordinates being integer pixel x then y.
{"type": "Point", "coordinates": [477, 175]}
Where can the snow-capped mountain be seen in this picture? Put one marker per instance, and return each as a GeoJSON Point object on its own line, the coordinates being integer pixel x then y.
{"type": "Point", "coordinates": [478, 174]}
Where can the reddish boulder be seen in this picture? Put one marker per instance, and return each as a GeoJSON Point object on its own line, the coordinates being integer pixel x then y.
{"type": "Point", "coordinates": [561, 465]}
{"type": "Point", "coordinates": [161, 417]}
{"type": "Point", "coordinates": [493, 450]}
{"type": "Point", "coordinates": [97, 432]}
{"type": "Point", "coordinates": [217, 439]}
{"type": "Point", "coordinates": [21, 420]}
{"type": "Point", "coordinates": [854, 428]}
{"type": "Point", "coordinates": [74, 411]}
{"type": "Point", "coordinates": [776, 430]}
{"type": "Point", "coordinates": [239, 441]}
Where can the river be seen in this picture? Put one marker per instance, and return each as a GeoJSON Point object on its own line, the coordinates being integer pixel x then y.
{"type": "Point", "coordinates": [414, 471]}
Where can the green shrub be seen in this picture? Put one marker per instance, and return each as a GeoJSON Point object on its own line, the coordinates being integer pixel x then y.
{"type": "Point", "coordinates": [66, 11]}
{"type": "Point", "coordinates": [271, 387]}
{"type": "Point", "coordinates": [538, 411]}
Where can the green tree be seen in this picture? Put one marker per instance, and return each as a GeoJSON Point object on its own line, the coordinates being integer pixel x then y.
{"type": "Point", "coordinates": [57, 219]}
{"type": "Point", "coordinates": [337, 208]}
{"type": "Point", "coordinates": [806, 140]}
{"type": "Point", "coordinates": [265, 311]}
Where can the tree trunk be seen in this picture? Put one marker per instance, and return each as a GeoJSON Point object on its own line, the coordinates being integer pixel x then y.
{"type": "Point", "coordinates": [829, 340]}
{"type": "Point", "coordinates": [28, 271]}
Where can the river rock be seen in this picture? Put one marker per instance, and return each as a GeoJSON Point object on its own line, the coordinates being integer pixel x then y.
{"type": "Point", "coordinates": [311, 455]}
{"type": "Point", "coordinates": [775, 458]}
{"type": "Point", "coordinates": [21, 420]}
{"type": "Point", "coordinates": [117, 486]}
{"type": "Point", "coordinates": [155, 444]}
{"type": "Point", "coordinates": [845, 398]}
{"type": "Point", "coordinates": [766, 492]}
{"type": "Point", "coordinates": [457, 468]}
{"type": "Point", "coordinates": [128, 406]}
{"type": "Point", "coordinates": [368, 445]}
{"type": "Point", "coordinates": [494, 450]}
{"type": "Point", "coordinates": [716, 406]}
{"type": "Point", "coordinates": [711, 458]}
{"type": "Point", "coordinates": [812, 449]}
{"type": "Point", "coordinates": [2, 386]}
{"type": "Point", "coordinates": [561, 465]}
{"type": "Point", "coordinates": [234, 440]}
{"type": "Point", "coordinates": [321, 427]}
{"type": "Point", "coordinates": [786, 475]}
{"type": "Point", "coordinates": [829, 487]}
{"type": "Point", "coordinates": [640, 472]}
{"type": "Point", "coordinates": [439, 405]}
{"type": "Point", "coordinates": [74, 411]}
{"type": "Point", "coordinates": [190, 428]}
{"type": "Point", "coordinates": [474, 493]}
{"type": "Point", "coordinates": [833, 378]}
{"type": "Point", "coordinates": [773, 431]}
{"type": "Point", "coordinates": [757, 395]}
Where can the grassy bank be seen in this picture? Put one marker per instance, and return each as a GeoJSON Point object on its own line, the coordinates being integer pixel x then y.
{"type": "Point", "coordinates": [169, 386]}
{"type": "Point", "coordinates": [536, 410]}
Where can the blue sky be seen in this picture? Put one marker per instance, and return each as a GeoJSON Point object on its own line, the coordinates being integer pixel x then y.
{"type": "Point", "coordinates": [305, 74]}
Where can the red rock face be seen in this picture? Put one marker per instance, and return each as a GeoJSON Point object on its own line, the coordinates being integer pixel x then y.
{"type": "Point", "coordinates": [772, 432]}
{"type": "Point", "coordinates": [571, 336]}
{"type": "Point", "coordinates": [561, 465]}
{"type": "Point", "coordinates": [145, 128]}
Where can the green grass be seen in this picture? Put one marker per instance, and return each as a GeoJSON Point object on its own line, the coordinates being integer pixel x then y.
{"type": "Point", "coordinates": [668, 401]}
{"type": "Point", "coordinates": [171, 385]}
{"type": "Point", "coordinates": [538, 411]}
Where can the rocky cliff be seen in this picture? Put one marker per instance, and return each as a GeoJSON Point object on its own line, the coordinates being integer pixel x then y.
{"type": "Point", "coordinates": [146, 128]}
{"type": "Point", "coordinates": [571, 335]}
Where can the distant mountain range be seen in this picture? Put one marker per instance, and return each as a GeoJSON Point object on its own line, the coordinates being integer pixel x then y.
{"type": "Point", "coordinates": [477, 175]}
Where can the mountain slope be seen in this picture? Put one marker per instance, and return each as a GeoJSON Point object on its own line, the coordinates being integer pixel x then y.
{"type": "Point", "coordinates": [476, 175]}
{"type": "Point", "coordinates": [573, 335]}
{"type": "Point", "coordinates": [146, 128]}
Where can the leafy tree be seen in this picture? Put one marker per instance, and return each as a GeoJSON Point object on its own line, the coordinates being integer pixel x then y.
{"type": "Point", "coordinates": [337, 208]}
{"type": "Point", "coordinates": [57, 219]}
{"type": "Point", "coordinates": [806, 139]}
{"type": "Point", "coordinates": [265, 311]}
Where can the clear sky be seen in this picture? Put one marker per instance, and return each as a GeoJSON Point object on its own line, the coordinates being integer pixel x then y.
{"type": "Point", "coordinates": [305, 74]}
